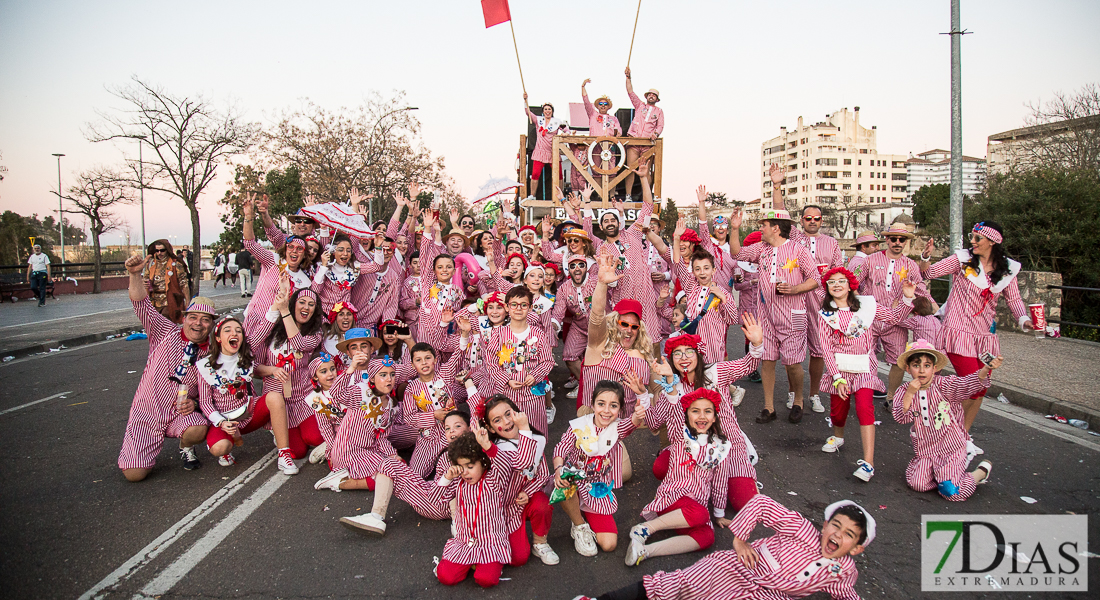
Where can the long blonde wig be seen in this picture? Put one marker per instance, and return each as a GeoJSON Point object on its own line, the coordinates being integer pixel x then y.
{"type": "Point", "coordinates": [642, 343]}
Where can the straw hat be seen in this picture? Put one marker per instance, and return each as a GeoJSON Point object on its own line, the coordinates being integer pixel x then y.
{"type": "Point", "coordinates": [898, 229]}
{"type": "Point", "coordinates": [922, 347]}
{"type": "Point", "coordinates": [201, 304]}
{"type": "Point", "coordinates": [865, 237]}
{"type": "Point", "coordinates": [456, 232]}
{"type": "Point", "coordinates": [776, 215]}
{"type": "Point", "coordinates": [654, 92]}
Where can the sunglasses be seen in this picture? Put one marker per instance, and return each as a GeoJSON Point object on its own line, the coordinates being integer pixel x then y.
{"type": "Point", "coordinates": [895, 239]}
{"type": "Point", "coordinates": [629, 326]}
{"type": "Point", "coordinates": [302, 221]}
{"type": "Point", "coordinates": [976, 238]}
{"type": "Point", "coordinates": [601, 104]}
{"type": "Point", "coordinates": [159, 250]}
{"type": "Point", "coordinates": [812, 219]}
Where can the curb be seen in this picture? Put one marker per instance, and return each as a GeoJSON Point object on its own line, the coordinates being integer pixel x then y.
{"type": "Point", "coordinates": [69, 343]}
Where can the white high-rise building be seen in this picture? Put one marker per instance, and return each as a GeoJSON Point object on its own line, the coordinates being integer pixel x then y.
{"type": "Point", "coordinates": [836, 162]}
{"type": "Point", "coordinates": [934, 166]}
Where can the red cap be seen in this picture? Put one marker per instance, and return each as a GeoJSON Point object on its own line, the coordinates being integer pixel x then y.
{"type": "Point", "coordinates": [689, 235]}
{"type": "Point", "coordinates": [629, 305]}
{"type": "Point", "coordinates": [752, 238]}
{"type": "Point", "coordinates": [531, 227]}
{"type": "Point", "coordinates": [701, 394]}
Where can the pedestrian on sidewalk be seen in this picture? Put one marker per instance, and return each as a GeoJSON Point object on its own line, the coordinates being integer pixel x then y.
{"type": "Point", "coordinates": [221, 269]}
{"type": "Point", "coordinates": [38, 273]}
{"type": "Point", "coordinates": [231, 264]}
{"type": "Point", "coordinates": [970, 324]}
{"type": "Point", "coordinates": [244, 266]}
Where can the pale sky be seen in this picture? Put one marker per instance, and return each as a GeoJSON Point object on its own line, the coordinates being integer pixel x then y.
{"type": "Point", "coordinates": [730, 74]}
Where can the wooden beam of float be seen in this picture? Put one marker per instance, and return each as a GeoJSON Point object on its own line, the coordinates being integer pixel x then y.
{"type": "Point", "coordinates": [604, 185]}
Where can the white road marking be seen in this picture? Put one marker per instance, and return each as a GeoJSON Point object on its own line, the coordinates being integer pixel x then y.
{"type": "Point", "coordinates": [177, 531]}
{"type": "Point", "coordinates": [44, 321]}
{"type": "Point", "coordinates": [13, 409]}
{"type": "Point", "coordinates": [194, 555]}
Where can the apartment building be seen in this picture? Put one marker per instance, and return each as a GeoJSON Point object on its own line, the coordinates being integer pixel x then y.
{"type": "Point", "coordinates": [934, 167]}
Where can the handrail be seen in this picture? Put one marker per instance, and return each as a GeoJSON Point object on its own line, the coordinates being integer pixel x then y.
{"type": "Point", "coordinates": [1070, 287]}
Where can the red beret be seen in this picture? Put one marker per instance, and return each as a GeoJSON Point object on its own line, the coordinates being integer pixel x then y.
{"type": "Point", "coordinates": [685, 339]}
{"type": "Point", "coordinates": [752, 238]}
{"type": "Point", "coordinates": [701, 394]}
{"type": "Point", "coordinates": [690, 236]}
{"type": "Point", "coordinates": [853, 283]}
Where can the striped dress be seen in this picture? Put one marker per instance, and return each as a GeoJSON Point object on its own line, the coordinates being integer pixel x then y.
{"type": "Point", "coordinates": [218, 392]}
{"type": "Point", "coordinates": [293, 356]}
{"type": "Point", "coordinates": [714, 324]}
{"type": "Point", "coordinates": [361, 444]}
{"type": "Point", "coordinates": [153, 414]}
{"type": "Point", "coordinates": [969, 326]}
{"type": "Point", "coordinates": [825, 250]}
{"type": "Point", "coordinates": [690, 474]}
{"type": "Point", "coordinates": [480, 516]}
{"type": "Point", "coordinates": [575, 304]}
{"type": "Point", "coordinates": [329, 415]}
{"type": "Point", "coordinates": [939, 440]}
{"type": "Point", "coordinates": [884, 276]}
{"type": "Point", "coordinates": [599, 454]}
{"type": "Point", "coordinates": [418, 408]}
{"type": "Point", "coordinates": [434, 297]}
{"type": "Point", "coordinates": [850, 333]}
{"type": "Point", "coordinates": [612, 369]}
{"type": "Point", "coordinates": [511, 357]}
{"type": "Point", "coordinates": [790, 564]}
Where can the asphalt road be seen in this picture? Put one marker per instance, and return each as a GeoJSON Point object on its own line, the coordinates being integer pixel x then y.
{"type": "Point", "coordinates": [70, 520]}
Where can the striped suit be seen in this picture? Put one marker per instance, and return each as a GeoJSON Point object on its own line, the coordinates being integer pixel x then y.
{"type": "Point", "coordinates": [361, 443]}
{"type": "Point", "coordinates": [782, 316]}
{"type": "Point", "coordinates": [512, 358]}
{"type": "Point", "coordinates": [577, 304]}
{"type": "Point", "coordinates": [825, 250]}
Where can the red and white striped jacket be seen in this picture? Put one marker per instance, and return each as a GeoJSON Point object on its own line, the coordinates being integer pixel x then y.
{"type": "Point", "coordinates": [971, 312]}
{"type": "Point", "coordinates": [361, 443]}
{"type": "Point", "coordinates": [292, 356]}
{"type": "Point", "coordinates": [791, 263]}
{"type": "Point", "coordinates": [714, 324]}
{"type": "Point", "coordinates": [937, 415]}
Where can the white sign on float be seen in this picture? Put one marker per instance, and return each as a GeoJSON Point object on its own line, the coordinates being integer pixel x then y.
{"type": "Point", "coordinates": [631, 213]}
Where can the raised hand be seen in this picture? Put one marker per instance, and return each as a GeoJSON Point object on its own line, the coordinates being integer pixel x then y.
{"type": "Point", "coordinates": [414, 191]}
{"type": "Point", "coordinates": [249, 206]}
{"type": "Point", "coordinates": [607, 266]}
{"type": "Point", "coordinates": [326, 258]}
{"type": "Point", "coordinates": [310, 200]}
{"type": "Point", "coordinates": [701, 194]}
{"type": "Point", "coordinates": [447, 315]}
{"type": "Point", "coordinates": [643, 168]}
{"type": "Point", "coordinates": [662, 368]}
{"type": "Point", "coordinates": [631, 379]}
{"type": "Point", "coordinates": [358, 361]}
{"type": "Point", "coordinates": [778, 174]}
{"type": "Point", "coordinates": [928, 246]}
{"type": "Point", "coordinates": [136, 264]}
{"type": "Point", "coordinates": [627, 72]}
{"type": "Point", "coordinates": [263, 204]}
{"type": "Point", "coordinates": [750, 326]}
{"type": "Point", "coordinates": [681, 227]}
{"type": "Point", "coordinates": [735, 220]}
{"type": "Point", "coordinates": [521, 421]}
{"type": "Point", "coordinates": [480, 433]}
{"type": "Point", "coordinates": [464, 325]}
{"type": "Point", "coordinates": [586, 82]}
{"type": "Point", "coordinates": [908, 289]}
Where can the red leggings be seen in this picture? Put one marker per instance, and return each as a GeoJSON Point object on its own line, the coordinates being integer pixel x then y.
{"type": "Point", "coordinates": [740, 491]}
{"type": "Point", "coordinates": [865, 407]}
{"type": "Point", "coordinates": [698, 520]}
{"type": "Point", "coordinates": [486, 574]}
{"type": "Point", "coordinates": [260, 417]}
{"type": "Point", "coordinates": [536, 169]}
{"type": "Point", "coordinates": [600, 523]}
{"type": "Point", "coordinates": [305, 434]}
{"type": "Point", "coordinates": [965, 365]}
{"type": "Point", "coordinates": [537, 511]}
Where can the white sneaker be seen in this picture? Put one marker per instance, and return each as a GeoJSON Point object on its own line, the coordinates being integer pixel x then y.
{"type": "Point", "coordinates": [572, 395]}
{"type": "Point", "coordinates": [318, 454]}
{"type": "Point", "coordinates": [545, 553]}
{"type": "Point", "coordinates": [227, 460]}
{"type": "Point", "coordinates": [635, 553]}
{"type": "Point", "coordinates": [737, 394]}
{"type": "Point", "coordinates": [369, 522]}
{"type": "Point", "coordinates": [572, 383]}
{"type": "Point", "coordinates": [972, 450]}
{"type": "Point", "coordinates": [286, 462]}
{"type": "Point", "coordinates": [332, 481]}
{"type": "Point", "coordinates": [986, 466]}
{"type": "Point", "coordinates": [790, 399]}
{"type": "Point", "coordinates": [816, 404]}
{"type": "Point", "coordinates": [865, 471]}
{"type": "Point", "coordinates": [584, 540]}
{"type": "Point", "coordinates": [551, 412]}
{"type": "Point", "coordinates": [832, 444]}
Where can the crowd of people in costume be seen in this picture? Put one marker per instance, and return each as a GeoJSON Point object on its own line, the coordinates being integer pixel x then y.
{"type": "Point", "coordinates": [415, 362]}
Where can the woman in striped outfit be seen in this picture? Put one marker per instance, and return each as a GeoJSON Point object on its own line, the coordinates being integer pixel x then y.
{"type": "Point", "coordinates": [593, 446]}
{"type": "Point", "coordinates": [686, 372]}
{"type": "Point", "coordinates": [282, 340]}
{"type": "Point", "coordinates": [969, 328]}
{"type": "Point", "coordinates": [478, 481]}
{"type": "Point", "coordinates": [291, 261]}
{"type": "Point", "coordinates": [340, 318]}
{"type": "Point", "coordinates": [524, 497]}
{"type": "Point", "coordinates": [322, 373]}
{"type": "Point", "coordinates": [438, 294]}
{"type": "Point", "coordinates": [340, 272]}
{"type": "Point", "coordinates": [702, 464]}
{"type": "Point", "coordinates": [224, 386]}
{"type": "Point", "coordinates": [796, 561]}
{"type": "Point", "coordinates": [519, 359]}
{"type": "Point", "coordinates": [577, 244]}
{"type": "Point", "coordinates": [851, 368]}
{"type": "Point", "coordinates": [933, 404]}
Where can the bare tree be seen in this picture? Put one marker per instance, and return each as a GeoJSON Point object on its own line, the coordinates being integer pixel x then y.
{"type": "Point", "coordinates": [1067, 131]}
{"type": "Point", "coordinates": [375, 147]}
{"type": "Point", "coordinates": [842, 215]}
{"type": "Point", "coordinates": [94, 194]}
{"type": "Point", "coordinates": [189, 138]}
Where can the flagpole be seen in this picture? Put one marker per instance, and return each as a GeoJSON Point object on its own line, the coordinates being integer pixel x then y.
{"type": "Point", "coordinates": [631, 53]}
{"type": "Point", "coordinates": [516, 46]}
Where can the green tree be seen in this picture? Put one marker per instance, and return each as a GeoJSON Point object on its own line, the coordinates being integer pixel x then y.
{"type": "Point", "coordinates": [1050, 218]}
{"type": "Point", "coordinates": [284, 190]}
{"type": "Point", "coordinates": [931, 211]}
{"type": "Point", "coordinates": [669, 215]}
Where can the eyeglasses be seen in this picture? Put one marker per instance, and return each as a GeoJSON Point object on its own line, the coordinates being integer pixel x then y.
{"type": "Point", "coordinates": [683, 353]}
{"type": "Point", "coordinates": [836, 281]}
{"type": "Point", "coordinates": [629, 326]}
{"type": "Point", "coordinates": [518, 306]}
{"type": "Point", "coordinates": [975, 238]}
{"type": "Point", "coordinates": [467, 224]}
{"type": "Point", "coordinates": [895, 239]}
{"type": "Point", "coordinates": [812, 219]}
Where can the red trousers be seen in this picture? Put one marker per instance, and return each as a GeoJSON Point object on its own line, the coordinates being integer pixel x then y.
{"type": "Point", "coordinates": [538, 511]}
{"type": "Point", "coordinates": [740, 491]}
{"type": "Point", "coordinates": [698, 520]}
{"type": "Point", "coordinates": [965, 365]}
{"type": "Point", "coordinates": [865, 407]}
{"type": "Point", "coordinates": [304, 435]}
{"type": "Point", "coordinates": [600, 523]}
{"type": "Point", "coordinates": [536, 170]}
{"type": "Point", "coordinates": [260, 417]}
{"type": "Point", "coordinates": [486, 574]}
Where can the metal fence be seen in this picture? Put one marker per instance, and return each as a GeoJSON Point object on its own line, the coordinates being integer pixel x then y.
{"type": "Point", "coordinates": [81, 270]}
{"type": "Point", "coordinates": [1070, 288]}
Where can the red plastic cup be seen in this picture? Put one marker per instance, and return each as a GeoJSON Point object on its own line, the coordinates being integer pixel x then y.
{"type": "Point", "coordinates": [821, 268]}
{"type": "Point", "coordinates": [1038, 319]}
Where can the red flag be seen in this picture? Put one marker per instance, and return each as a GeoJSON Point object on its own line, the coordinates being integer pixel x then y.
{"type": "Point", "coordinates": [496, 12]}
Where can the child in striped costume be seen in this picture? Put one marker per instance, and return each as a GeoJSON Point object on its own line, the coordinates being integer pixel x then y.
{"type": "Point", "coordinates": [934, 405]}
{"type": "Point", "coordinates": [424, 496]}
{"type": "Point", "coordinates": [796, 561]}
{"type": "Point", "coordinates": [323, 371]}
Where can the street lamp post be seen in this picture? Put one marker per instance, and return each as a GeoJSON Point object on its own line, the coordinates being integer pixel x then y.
{"type": "Point", "coordinates": [141, 188]}
{"type": "Point", "coordinates": [60, 214]}
{"type": "Point", "coordinates": [370, 202]}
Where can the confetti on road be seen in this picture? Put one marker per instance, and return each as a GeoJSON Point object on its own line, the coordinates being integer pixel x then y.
{"type": "Point", "coordinates": [131, 372]}
{"type": "Point", "coordinates": [792, 493]}
{"type": "Point", "coordinates": [325, 508]}
{"type": "Point", "coordinates": [1028, 499]}
{"type": "Point", "coordinates": [882, 507]}
{"type": "Point", "coordinates": [9, 358]}
{"type": "Point", "coordinates": [74, 404]}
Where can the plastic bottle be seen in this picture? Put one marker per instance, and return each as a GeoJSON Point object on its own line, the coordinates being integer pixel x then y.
{"type": "Point", "coordinates": [1078, 423]}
